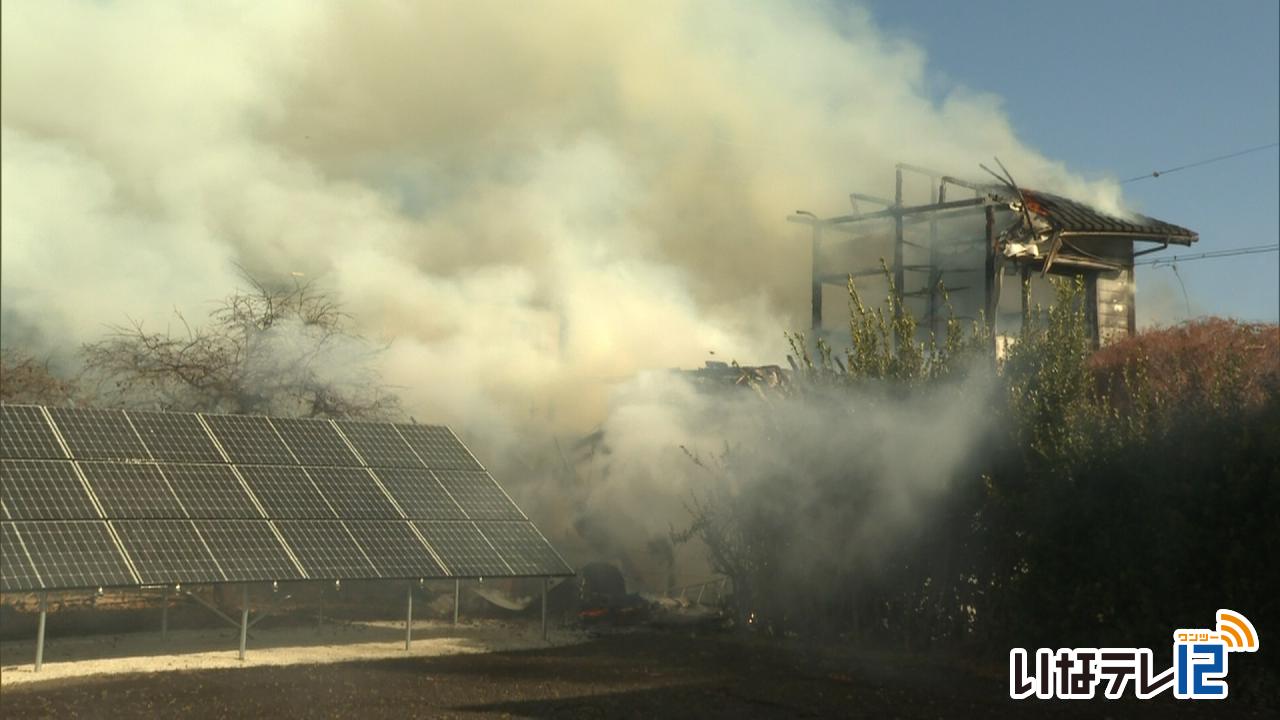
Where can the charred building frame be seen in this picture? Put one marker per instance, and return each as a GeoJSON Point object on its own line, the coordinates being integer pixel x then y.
{"type": "Point", "coordinates": [962, 251]}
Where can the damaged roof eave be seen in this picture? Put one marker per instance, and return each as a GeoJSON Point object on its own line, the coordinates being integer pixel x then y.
{"type": "Point", "coordinates": [1164, 238]}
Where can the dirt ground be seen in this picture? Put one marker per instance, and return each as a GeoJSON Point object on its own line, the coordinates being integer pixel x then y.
{"type": "Point", "coordinates": [639, 674]}
{"type": "Point", "coordinates": [81, 656]}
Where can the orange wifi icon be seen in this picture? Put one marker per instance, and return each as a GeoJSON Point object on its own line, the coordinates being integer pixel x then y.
{"type": "Point", "coordinates": [1236, 631]}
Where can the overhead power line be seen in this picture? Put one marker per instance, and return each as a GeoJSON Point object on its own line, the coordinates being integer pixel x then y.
{"type": "Point", "coordinates": [1158, 173]}
{"type": "Point", "coordinates": [1231, 252]}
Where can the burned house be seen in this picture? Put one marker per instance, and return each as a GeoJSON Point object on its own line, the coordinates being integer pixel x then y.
{"type": "Point", "coordinates": [982, 252]}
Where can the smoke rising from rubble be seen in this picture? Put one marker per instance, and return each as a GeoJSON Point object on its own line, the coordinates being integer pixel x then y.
{"type": "Point", "coordinates": [530, 202]}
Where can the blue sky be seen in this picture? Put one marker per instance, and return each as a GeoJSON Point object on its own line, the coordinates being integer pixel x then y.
{"type": "Point", "coordinates": [1126, 87]}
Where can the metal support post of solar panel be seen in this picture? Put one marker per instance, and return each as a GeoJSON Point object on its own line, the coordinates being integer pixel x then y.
{"type": "Point", "coordinates": [113, 499]}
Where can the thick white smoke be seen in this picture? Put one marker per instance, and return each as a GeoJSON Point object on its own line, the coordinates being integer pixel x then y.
{"type": "Point", "coordinates": [530, 201]}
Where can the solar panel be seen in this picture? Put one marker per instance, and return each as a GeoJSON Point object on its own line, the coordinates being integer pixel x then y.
{"type": "Point", "coordinates": [249, 439]}
{"type": "Point", "coordinates": [131, 490]}
{"type": "Point", "coordinates": [247, 550]}
{"type": "Point", "coordinates": [209, 491]}
{"type": "Point", "coordinates": [478, 494]}
{"type": "Point", "coordinates": [524, 548]}
{"type": "Point", "coordinates": [44, 490]}
{"type": "Point", "coordinates": [108, 498]}
{"type": "Point", "coordinates": [74, 554]}
{"type": "Point", "coordinates": [24, 433]}
{"type": "Point", "coordinates": [98, 434]}
{"type": "Point", "coordinates": [379, 444]}
{"type": "Point", "coordinates": [438, 447]}
{"type": "Point", "coordinates": [315, 442]}
{"type": "Point", "coordinates": [167, 551]}
{"type": "Point", "coordinates": [352, 493]}
{"type": "Point", "coordinates": [325, 550]}
{"type": "Point", "coordinates": [419, 494]}
{"type": "Point", "coordinates": [175, 436]}
{"type": "Point", "coordinates": [394, 549]}
{"type": "Point", "coordinates": [463, 549]}
{"type": "Point", "coordinates": [285, 492]}
{"type": "Point", "coordinates": [16, 572]}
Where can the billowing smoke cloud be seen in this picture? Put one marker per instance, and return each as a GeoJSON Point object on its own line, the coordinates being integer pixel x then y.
{"type": "Point", "coordinates": [1166, 299]}
{"type": "Point", "coordinates": [671, 443]}
{"type": "Point", "coordinates": [531, 201]}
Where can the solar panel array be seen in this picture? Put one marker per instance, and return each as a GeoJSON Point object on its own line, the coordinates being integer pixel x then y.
{"type": "Point", "coordinates": [112, 498]}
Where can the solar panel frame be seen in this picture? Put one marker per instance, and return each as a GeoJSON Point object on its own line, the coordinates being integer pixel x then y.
{"type": "Point", "coordinates": [25, 432]}
{"type": "Point", "coordinates": [17, 574]}
{"type": "Point", "coordinates": [478, 494]}
{"type": "Point", "coordinates": [209, 491]}
{"type": "Point", "coordinates": [380, 444]}
{"type": "Point", "coordinates": [315, 442]}
{"type": "Point", "coordinates": [438, 447]}
{"type": "Point", "coordinates": [167, 551]}
{"type": "Point", "coordinates": [98, 434]}
{"type": "Point", "coordinates": [524, 548]}
{"type": "Point", "coordinates": [44, 490]}
{"type": "Point", "coordinates": [175, 437]}
{"type": "Point", "coordinates": [325, 550]}
{"type": "Point", "coordinates": [394, 549]}
{"type": "Point", "coordinates": [286, 492]}
{"type": "Point", "coordinates": [71, 554]}
{"type": "Point", "coordinates": [352, 493]}
{"type": "Point", "coordinates": [131, 491]}
{"type": "Point", "coordinates": [419, 494]}
{"type": "Point", "coordinates": [247, 550]}
{"type": "Point", "coordinates": [466, 552]}
{"type": "Point", "coordinates": [249, 440]}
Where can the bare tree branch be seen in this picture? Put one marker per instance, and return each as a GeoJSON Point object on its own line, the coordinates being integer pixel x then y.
{"type": "Point", "coordinates": [264, 349]}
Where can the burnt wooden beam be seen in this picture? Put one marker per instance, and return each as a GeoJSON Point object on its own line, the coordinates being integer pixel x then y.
{"type": "Point", "coordinates": [948, 180]}
{"type": "Point", "coordinates": [815, 291]}
{"type": "Point", "coordinates": [912, 216]}
{"type": "Point", "coordinates": [898, 276]}
{"type": "Point", "coordinates": [923, 293]}
{"type": "Point", "coordinates": [1024, 277]}
{"type": "Point", "coordinates": [909, 210]}
{"type": "Point", "coordinates": [990, 273]}
{"type": "Point", "coordinates": [843, 278]}
{"type": "Point", "coordinates": [1130, 300]}
{"type": "Point", "coordinates": [871, 199]}
{"type": "Point", "coordinates": [937, 194]}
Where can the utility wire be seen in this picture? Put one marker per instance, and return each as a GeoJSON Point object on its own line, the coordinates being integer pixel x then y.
{"type": "Point", "coordinates": [1252, 250]}
{"type": "Point", "coordinates": [1158, 173]}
